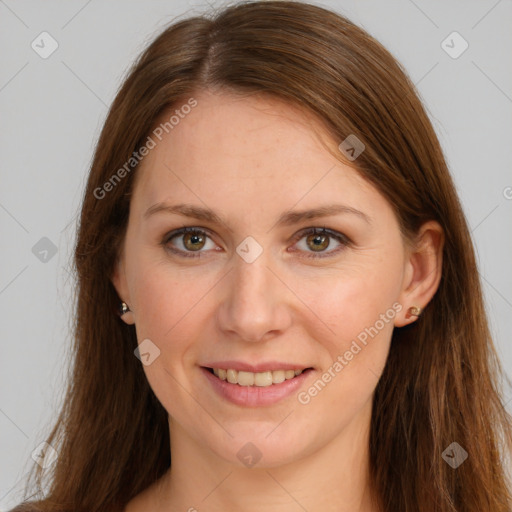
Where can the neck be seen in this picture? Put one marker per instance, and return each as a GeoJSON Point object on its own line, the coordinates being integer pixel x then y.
{"type": "Point", "coordinates": [332, 478]}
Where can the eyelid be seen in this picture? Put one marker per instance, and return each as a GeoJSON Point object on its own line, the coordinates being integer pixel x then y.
{"type": "Point", "coordinates": [187, 229]}
{"type": "Point", "coordinates": [343, 239]}
{"type": "Point", "coordinates": [182, 231]}
{"type": "Point", "coordinates": [321, 231]}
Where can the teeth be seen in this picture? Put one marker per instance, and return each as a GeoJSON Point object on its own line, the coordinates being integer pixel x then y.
{"type": "Point", "coordinates": [245, 378]}
{"type": "Point", "coordinates": [289, 374]}
{"type": "Point", "coordinates": [232, 376]}
{"type": "Point", "coordinates": [261, 379]}
{"type": "Point", "coordinates": [278, 376]}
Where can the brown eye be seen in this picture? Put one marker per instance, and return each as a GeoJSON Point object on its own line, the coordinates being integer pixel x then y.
{"type": "Point", "coordinates": [187, 241]}
{"type": "Point", "coordinates": [193, 241]}
{"type": "Point", "coordinates": [317, 242]}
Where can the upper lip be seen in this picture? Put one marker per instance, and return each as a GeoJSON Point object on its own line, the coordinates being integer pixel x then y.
{"type": "Point", "coordinates": [255, 368]}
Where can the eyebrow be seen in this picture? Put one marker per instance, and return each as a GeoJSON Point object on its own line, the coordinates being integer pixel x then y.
{"type": "Point", "coordinates": [287, 218]}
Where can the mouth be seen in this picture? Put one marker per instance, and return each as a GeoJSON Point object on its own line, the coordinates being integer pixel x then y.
{"type": "Point", "coordinates": [257, 379]}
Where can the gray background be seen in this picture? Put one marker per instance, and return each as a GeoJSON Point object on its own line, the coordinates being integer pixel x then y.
{"type": "Point", "coordinates": [51, 114]}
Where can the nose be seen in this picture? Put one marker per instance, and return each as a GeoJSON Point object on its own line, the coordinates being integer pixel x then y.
{"type": "Point", "coordinates": [256, 302]}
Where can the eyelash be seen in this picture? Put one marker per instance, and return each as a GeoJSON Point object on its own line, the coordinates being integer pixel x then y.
{"type": "Point", "coordinates": [343, 239]}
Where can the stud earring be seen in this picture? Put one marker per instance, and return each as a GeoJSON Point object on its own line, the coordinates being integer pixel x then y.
{"type": "Point", "coordinates": [414, 311]}
{"type": "Point", "coordinates": [123, 308]}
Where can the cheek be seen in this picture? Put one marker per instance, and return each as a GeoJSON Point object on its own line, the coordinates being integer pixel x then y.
{"type": "Point", "coordinates": [353, 298]}
{"type": "Point", "coordinates": [163, 303]}
{"type": "Point", "coordinates": [355, 350]}
{"type": "Point", "coordinates": [167, 302]}
{"type": "Point", "coordinates": [355, 308]}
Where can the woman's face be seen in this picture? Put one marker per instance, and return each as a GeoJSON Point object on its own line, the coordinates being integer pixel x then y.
{"type": "Point", "coordinates": [252, 289]}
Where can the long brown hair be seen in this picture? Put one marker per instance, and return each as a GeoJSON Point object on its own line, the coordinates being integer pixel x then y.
{"type": "Point", "coordinates": [441, 381]}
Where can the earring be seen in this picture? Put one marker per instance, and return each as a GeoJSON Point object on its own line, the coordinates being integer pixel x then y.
{"type": "Point", "coordinates": [414, 311]}
{"type": "Point", "coordinates": [123, 308]}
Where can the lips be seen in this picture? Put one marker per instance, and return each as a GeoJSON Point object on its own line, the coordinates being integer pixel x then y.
{"type": "Point", "coordinates": [261, 392]}
{"type": "Point", "coordinates": [262, 374]}
{"type": "Point", "coordinates": [255, 368]}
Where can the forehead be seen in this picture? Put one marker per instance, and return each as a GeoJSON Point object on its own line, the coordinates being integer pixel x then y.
{"type": "Point", "coordinates": [247, 152]}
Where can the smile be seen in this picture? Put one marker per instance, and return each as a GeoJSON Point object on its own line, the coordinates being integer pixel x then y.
{"type": "Point", "coordinates": [261, 379]}
{"type": "Point", "coordinates": [255, 389]}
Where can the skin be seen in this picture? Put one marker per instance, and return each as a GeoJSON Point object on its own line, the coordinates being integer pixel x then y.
{"type": "Point", "coordinates": [250, 159]}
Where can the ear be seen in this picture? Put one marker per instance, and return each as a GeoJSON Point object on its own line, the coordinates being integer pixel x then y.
{"type": "Point", "coordinates": [423, 269]}
{"type": "Point", "coordinates": [119, 281]}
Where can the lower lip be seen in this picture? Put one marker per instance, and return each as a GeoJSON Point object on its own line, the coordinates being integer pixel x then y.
{"type": "Point", "coordinates": [255, 396]}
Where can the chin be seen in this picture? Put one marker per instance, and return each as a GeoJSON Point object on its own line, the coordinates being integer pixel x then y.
{"type": "Point", "coordinates": [263, 446]}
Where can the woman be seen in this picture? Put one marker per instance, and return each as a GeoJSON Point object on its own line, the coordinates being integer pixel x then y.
{"type": "Point", "coordinates": [277, 288]}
